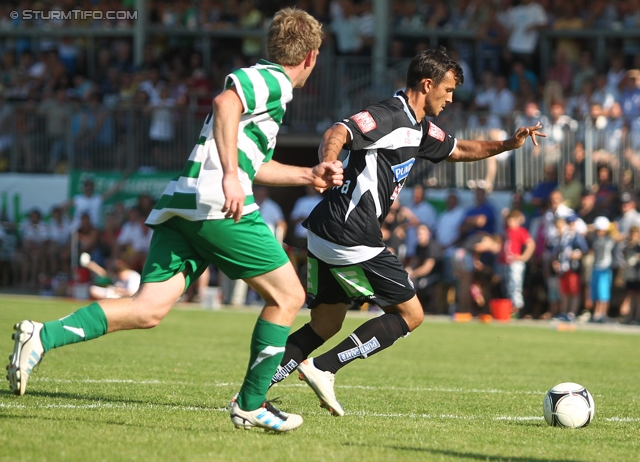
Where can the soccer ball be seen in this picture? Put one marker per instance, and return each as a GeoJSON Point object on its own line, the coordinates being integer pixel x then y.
{"type": "Point", "coordinates": [568, 405]}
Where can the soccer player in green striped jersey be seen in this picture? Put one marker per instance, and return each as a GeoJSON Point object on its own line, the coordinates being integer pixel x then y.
{"type": "Point", "coordinates": [207, 215]}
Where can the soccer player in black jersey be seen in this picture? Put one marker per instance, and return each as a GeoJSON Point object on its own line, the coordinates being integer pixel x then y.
{"type": "Point", "coordinates": [347, 260]}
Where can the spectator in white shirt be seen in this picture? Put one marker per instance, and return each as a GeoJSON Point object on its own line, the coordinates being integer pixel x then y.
{"type": "Point", "coordinates": [504, 102]}
{"type": "Point", "coordinates": [162, 128]}
{"type": "Point", "coordinates": [120, 281]}
{"type": "Point", "coordinates": [301, 210]}
{"type": "Point", "coordinates": [90, 203]}
{"type": "Point", "coordinates": [28, 261]}
{"type": "Point", "coordinates": [271, 212]}
{"type": "Point", "coordinates": [419, 212]}
{"type": "Point", "coordinates": [447, 230]}
{"type": "Point", "coordinates": [524, 22]}
{"type": "Point", "coordinates": [59, 249]}
{"type": "Point", "coordinates": [134, 239]}
{"type": "Point", "coordinates": [346, 30]}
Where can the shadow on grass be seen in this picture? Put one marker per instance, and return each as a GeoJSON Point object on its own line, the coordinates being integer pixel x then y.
{"type": "Point", "coordinates": [84, 398]}
{"type": "Point", "coordinates": [467, 455]}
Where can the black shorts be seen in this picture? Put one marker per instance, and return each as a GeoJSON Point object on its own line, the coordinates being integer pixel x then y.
{"type": "Point", "coordinates": [381, 281]}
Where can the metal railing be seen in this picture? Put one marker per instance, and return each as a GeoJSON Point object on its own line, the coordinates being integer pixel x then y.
{"type": "Point", "coordinates": [120, 139]}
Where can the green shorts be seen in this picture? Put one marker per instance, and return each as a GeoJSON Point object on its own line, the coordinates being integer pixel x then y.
{"type": "Point", "coordinates": [240, 250]}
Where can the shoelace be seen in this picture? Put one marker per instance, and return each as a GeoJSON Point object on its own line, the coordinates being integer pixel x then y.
{"type": "Point", "coordinates": [330, 376]}
{"type": "Point", "coordinates": [275, 411]}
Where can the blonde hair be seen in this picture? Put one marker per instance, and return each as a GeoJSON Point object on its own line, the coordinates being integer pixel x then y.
{"type": "Point", "coordinates": [291, 36]}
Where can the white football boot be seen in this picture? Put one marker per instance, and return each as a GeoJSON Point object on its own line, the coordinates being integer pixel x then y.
{"type": "Point", "coordinates": [267, 416]}
{"type": "Point", "coordinates": [27, 354]}
{"type": "Point", "coordinates": [322, 383]}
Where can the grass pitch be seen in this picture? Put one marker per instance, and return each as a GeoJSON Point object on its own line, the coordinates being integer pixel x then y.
{"type": "Point", "coordinates": [448, 392]}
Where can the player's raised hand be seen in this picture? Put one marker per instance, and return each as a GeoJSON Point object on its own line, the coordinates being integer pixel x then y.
{"type": "Point", "coordinates": [524, 132]}
{"type": "Point", "coordinates": [234, 197]}
{"type": "Point", "coordinates": [327, 175]}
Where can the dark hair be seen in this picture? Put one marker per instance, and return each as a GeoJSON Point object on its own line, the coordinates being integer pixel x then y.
{"type": "Point", "coordinates": [432, 64]}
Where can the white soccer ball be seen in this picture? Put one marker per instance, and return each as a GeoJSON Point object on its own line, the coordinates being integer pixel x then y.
{"type": "Point", "coordinates": [570, 405]}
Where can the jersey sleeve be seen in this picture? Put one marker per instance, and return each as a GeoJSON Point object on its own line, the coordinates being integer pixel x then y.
{"type": "Point", "coordinates": [368, 126]}
{"type": "Point", "coordinates": [435, 145]}
{"type": "Point", "coordinates": [243, 84]}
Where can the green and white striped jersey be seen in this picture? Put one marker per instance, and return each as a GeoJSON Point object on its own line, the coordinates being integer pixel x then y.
{"type": "Point", "coordinates": [196, 194]}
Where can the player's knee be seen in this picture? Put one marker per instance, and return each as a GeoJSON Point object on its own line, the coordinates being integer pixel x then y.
{"type": "Point", "coordinates": [151, 318]}
{"type": "Point", "coordinates": [326, 328]}
{"type": "Point", "coordinates": [296, 297]}
{"type": "Point", "coordinates": [290, 299]}
{"type": "Point", "coordinates": [413, 318]}
{"type": "Point", "coordinates": [335, 327]}
{"type": "Point", "coordinates": [149, 312]}
{"type": "Point", "coordinates": [419, 319]}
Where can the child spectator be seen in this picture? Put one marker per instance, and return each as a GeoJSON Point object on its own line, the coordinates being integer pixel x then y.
{"type": "Point", "coordinates": [630, 253]}
{"type": "Point", "coordinates": [567, 256]}
{"type": "Point", "coordinates": [122, 281]}
{"type": "Point", "coordinates": [517, 250]}
{"type": "Point", "coordinates": [547, 238]}
{"type": "Point", "coordinates": [601, 276]}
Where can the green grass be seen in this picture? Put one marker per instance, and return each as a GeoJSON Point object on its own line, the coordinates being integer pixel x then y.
{"type": "Point", "coordinates": [454, 392]}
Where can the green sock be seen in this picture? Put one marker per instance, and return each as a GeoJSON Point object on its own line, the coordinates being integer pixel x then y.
{"type": "Point", "coordinates": [85, 324]}
{"type": "Point", "coordinates": [267, 348]}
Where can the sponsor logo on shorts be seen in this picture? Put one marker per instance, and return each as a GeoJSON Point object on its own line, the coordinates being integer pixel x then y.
{"type": "Point", "coordinates": [363, 350]}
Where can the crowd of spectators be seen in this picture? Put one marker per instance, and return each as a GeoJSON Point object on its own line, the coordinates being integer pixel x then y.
{"type": "Point", "coordinates": [65, 100]}
{"type": "Point", "coordinates": [38, 252]}
{"type": "Point", "coordinates": [561, 251]}
{"type": "Point", "coordinates": [61, 99]}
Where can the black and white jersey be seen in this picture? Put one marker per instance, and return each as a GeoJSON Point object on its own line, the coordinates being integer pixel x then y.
{"type": "Point", "coordinates": [386, 139]}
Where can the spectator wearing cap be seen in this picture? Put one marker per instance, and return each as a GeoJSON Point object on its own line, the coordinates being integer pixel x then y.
{"type": "Point", "coordinates": [629, 216]}
{"type": "Point", "coordinates": [556, 209]}
{"type": "Point", "coordinates": [602, 276]}
{"type": "Point", "coordinates": [588, 212]}
{"type": "Point", "coordinates": [567, 256]}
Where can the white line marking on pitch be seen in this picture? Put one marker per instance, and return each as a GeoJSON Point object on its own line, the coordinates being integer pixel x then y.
{"type": "Point", "coordinates": [296, 385]}
{"type": "Point", "coordinates": [219, 409]}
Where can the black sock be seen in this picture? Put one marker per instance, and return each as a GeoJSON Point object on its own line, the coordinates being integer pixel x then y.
{"type": "Point", "coordinates": [300, 344]}
{"type": "Point", "coordinates": [373, 336]}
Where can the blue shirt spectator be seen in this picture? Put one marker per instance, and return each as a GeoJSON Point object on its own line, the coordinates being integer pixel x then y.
{"type": "Point", "coordinates": [480, 218]}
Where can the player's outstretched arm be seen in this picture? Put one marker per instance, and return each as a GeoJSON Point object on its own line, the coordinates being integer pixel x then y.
{"type": "Point", "coordinates": [323, 176]}
{"type": "Point", "coordinates": [472, 150]}
{"type": "Point", "coordinates": [227, 110]}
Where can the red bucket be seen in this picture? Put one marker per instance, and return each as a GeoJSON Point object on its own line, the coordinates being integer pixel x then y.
{"type": "Point", "coordinates": [501, 309]}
